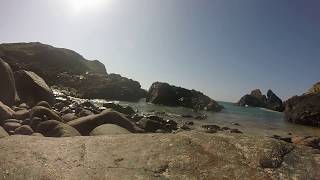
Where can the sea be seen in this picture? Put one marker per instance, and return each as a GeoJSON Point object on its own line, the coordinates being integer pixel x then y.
{"type": "Point", "coordinates": [250, 120]}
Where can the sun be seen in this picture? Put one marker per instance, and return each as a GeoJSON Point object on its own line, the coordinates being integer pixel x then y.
{"type": "Point", "coordinates": [78, 6]}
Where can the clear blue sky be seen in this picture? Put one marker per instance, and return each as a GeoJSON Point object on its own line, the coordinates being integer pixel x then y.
{"type": "Point", "coordinates": [224, 48]}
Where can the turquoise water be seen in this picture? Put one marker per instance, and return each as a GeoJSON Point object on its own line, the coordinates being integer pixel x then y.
{"type": "Point", "coordinates": [251, 120]}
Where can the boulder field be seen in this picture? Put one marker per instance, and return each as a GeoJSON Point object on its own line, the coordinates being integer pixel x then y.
{"type": "Point", "coordinates": [169, 95]}
{"type": "Point", "coordinates": [257, 99]}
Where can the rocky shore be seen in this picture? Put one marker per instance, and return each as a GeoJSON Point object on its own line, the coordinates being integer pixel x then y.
{"type": "Point", "coordinates": [49, 130]}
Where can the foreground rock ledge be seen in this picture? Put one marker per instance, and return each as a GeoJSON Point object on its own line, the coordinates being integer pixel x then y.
{"type": "Point", "coordinates": [186, 155]}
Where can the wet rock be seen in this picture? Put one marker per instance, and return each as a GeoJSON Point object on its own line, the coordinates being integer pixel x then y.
{"type": "Point", "coordinates": [201, 117]}
{"type": "Point", "coordinates": [235, 124]}
{"type": "Point", "coordinates": [165, 94]}
{"type": "Point", "coordinates": [153, 123]}
{"type": "Point", "coordinates": [53, 128]}
{"type": "Point", "coordinates": [185, 127]}
{"type": "Point", "coordinates": [225, 128]}
{"type": "Point", "coordinates": [190, 123]}
{"type": "Point", "coordinates": [24, 130]}
{"type": "Point", "coordinates": [3, 133]}
{"type": "Point", "coordinates": [40, 111]}
{"type": "Point", "coordinates": [235, 131]}
{"type": "Point", "coordinates": [274, 158]}
{"type": "Point", "coordinates": [310, 141]}
{"type": "Point", "coordinates": [58, 106]}
{"type": "Point", "coordinates": [108, 129]}
{"type": "Point", "coordinates": [44, 104]}
{"type": "Point", "coordinates": [127, 110]}
{"type": "Point", "coordinates": [211, 127]}
{"type": "Point", "coordinates": [5, 112]}
{"type": "Point", "coordinates": [286, 139]}
{"type": "Point", "coordinates": [86, 124]}
{"type": "Point", "coordinates": [187, 116]}
{"type": "Point", "coordinates": [8, 93]}
{"type": "Point", "coordinates": [32, 88]}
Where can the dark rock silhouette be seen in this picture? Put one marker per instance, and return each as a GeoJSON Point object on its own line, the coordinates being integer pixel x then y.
{"type": "Point", "coordinates": [257, 99]}
{"type": "Point", "coordinates": [32, 88]}
{"type": "Point", "coordinates": [165, 94]}
{"type": "Point", "coordinates": [304, 109]}
{"type": "Point", "coordinates": [68, 69]}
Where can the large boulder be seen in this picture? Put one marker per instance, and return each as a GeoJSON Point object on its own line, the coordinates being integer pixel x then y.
{"type": "Point", "coordinates": [5, 112]}
{"type": "Point", "coordinates": [257, 99]}
{"type": "Point", "coordinates": [86, 124]}
{"type": "Point", "coordinates": [185, 155]}
{"type": "Point", "coordinates": [108, 129]}
{"type": "Point", "coordinates": [43, 112]}
{"type": "Point", "coordinates": [32, 88]}
{"type": "Point", "coordinates": [53, 128]}
{"type": "Point", "coordinates": [8, 93]}
{"type": "Point", "coordinates": [304, 109]}
{"type": "Point", "coordinates": [165, 94]}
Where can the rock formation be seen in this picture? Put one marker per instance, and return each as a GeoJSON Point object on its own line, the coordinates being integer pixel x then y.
{"type": "Point", "coordinates": [257, 99]}
{"type": "Point", "coordinates": [165, 94]}
{"type": "Point", "coordinates": [304, 109]}
{"type": "Point", "coordinates": [8, 93]}
{"type": "Point", "coordinates": [68, 69]}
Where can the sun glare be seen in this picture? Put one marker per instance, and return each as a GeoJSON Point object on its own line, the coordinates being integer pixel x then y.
{"type": "Point", "coordinates": [78, 6]}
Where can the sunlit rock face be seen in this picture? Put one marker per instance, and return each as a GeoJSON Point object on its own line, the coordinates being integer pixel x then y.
{"type": "Point", "coordinates": [68, 69]}
{"type": "Point", "coordinates": [165, 94]}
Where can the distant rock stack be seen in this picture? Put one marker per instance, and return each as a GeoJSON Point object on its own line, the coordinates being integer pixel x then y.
{"type": "Point", "coordinates": [257, 99]}
{"type": "Point", "coordinates": [165, 94]}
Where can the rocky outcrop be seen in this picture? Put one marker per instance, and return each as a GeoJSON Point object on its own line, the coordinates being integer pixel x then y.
{"type": "Point", "coordinates": [68, 69]}
{"type": "Point", "coordinates": [315, 89]}
{"type": "Point", "coordinates": [304, 109]}
{"type": "Point", "coordinates": [47, 61]}
{"type": "Point", "coordinates": [186, 155]}
{"type": "Point", "coordinates": [32, 88]}
{"type": "Point", "coordinates": [165, 94]}
{"type": "Point", "coordinates": [274, 102]}
{"type": "Point", "coordinates": [257, 99]}
{"type": "Point", "coordinates": [8, 93]}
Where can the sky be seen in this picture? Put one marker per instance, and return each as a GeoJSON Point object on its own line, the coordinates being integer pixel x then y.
{"type": "Point", "coordinates": [224, 48]}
